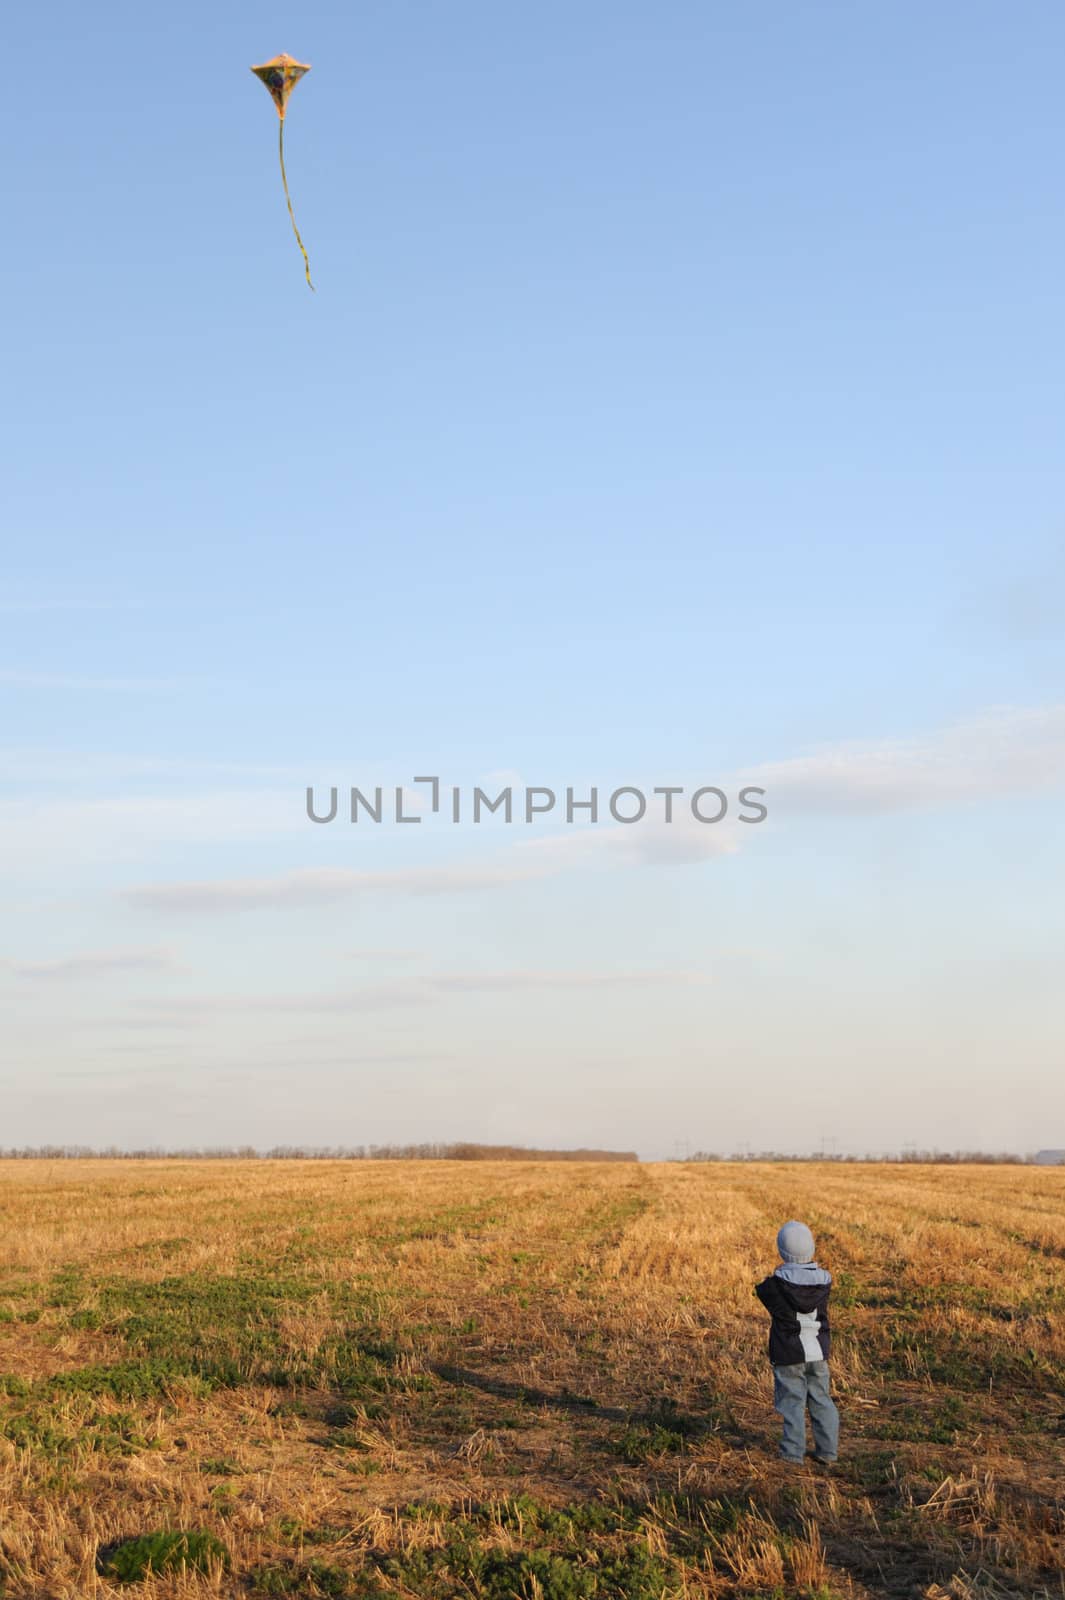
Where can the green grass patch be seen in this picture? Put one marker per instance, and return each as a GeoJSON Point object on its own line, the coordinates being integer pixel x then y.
{"type": "Point", "coordinates": [169, 1550]}
{"type": "Point", "coordinates": [640, 1444]}
{"type": "Point", "coordinates": [315, 1578]}
{"type": "Point", "coordinates": [125, 1380]}
{"type": "Point", "coordinates": [611, 1218]}
{"type": "Point", "coordinates": [935, 1423]}
{"type": "Point", "coordinates": [72, 1428]}
{"type": "Point", "coordinates": [227, 1330]}
{"type": "Point", "coordinates": [590, 1550]}
{"type": "Point", "coordinates": [293, 1531]}
{"type": "Point", "coordinates": [464, 1566]}
{"type": "Point", "coordinates": [872, 1469]}
{"type": "Point", "coordinates": [961, 1358]}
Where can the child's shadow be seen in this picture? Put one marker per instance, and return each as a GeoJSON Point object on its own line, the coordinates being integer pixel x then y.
{"type": "Point", "coordinates": [663, 1414]}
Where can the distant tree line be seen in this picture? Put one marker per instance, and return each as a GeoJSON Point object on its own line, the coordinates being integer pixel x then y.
{"type": "Point", "coordinates": [285, 1152]}
{"type": "Point", "coordinates": [468, 1151]}
{"type": "Point", "coordinates": [921, 1157]}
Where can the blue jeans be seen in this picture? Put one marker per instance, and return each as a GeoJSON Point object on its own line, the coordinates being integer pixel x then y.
{"type": "Point", "coordinates": [796, 1388]}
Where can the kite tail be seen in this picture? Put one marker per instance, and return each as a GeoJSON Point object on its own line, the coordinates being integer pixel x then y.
{"type": "Point", "coordinates": [292, 214]}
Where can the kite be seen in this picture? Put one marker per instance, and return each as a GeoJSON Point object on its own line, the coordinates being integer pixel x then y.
{"type": "Point", "coordinates": [281, 76]}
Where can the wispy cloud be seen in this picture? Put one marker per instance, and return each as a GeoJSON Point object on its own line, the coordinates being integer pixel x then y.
{"type": "Point", "coordinates": [92, 964]}
{"type": "Point", "coordinates": [421, 989]}
{"type": "Point", "coordinates": [649, 843]}
{"type": "Point", "coordinates": [487, 982]}
{"type": "Point", "coordinates": [142, 1024]}
{"type": "Point", "coordinates": [236, 1070]}
{"type": "Point", "coordinates": [367, 997]}
{"type": "Point", "coordinates": [1004, 750]}
{"type": "Point", "coordinates": [123, 827]}
{"type": "Point", "coordinates": [316, 886]}
{"type": "Point", "coordinates": [527, 861]}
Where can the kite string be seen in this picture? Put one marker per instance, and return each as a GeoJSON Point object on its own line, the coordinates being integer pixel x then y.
{"type": "Point", "coordinates": [288, 198]}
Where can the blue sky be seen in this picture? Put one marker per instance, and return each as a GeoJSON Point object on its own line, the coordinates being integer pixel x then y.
{"type": "Point", "coordinates": [680, 402]}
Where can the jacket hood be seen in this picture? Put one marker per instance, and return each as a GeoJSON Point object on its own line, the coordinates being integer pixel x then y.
{"type": "Point", "coordinates": [805, 1272]}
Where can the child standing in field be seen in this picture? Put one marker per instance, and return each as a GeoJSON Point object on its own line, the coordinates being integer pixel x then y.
{"type": "Point", "coordinates": [796, 1297]}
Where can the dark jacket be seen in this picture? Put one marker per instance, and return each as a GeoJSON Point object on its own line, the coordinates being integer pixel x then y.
{"type": "Point", "coordinates": [798, 1306]}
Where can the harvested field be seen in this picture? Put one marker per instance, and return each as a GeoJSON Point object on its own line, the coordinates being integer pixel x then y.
{"type": "Point", "coordinates": [540, 1380]}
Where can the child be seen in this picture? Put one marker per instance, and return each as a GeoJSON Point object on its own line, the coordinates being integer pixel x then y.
{"type": "Point", "coordinates": [796, 1297]}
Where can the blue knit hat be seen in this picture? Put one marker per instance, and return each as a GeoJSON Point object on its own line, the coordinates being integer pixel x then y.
{"type": "Point", "coordinates": [795, 1243]}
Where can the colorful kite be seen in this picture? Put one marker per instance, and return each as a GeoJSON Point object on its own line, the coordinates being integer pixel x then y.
{"type": "Point", "coordinates": [281, 76]}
